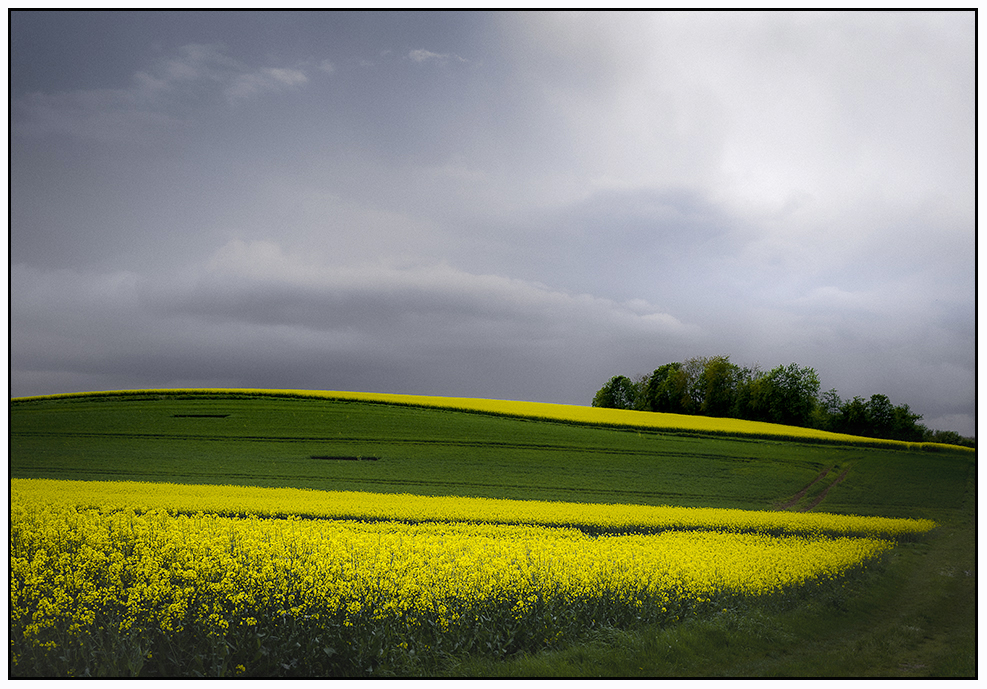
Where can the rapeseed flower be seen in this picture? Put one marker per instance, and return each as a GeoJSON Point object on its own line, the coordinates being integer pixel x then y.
{"type": "Point", "coordinates": [225, 567]}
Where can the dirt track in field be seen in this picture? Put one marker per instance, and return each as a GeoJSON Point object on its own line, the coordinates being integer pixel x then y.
{"type": "Point", "coordinates": [792, 501]}
{"type": "Point", "coordinates": [826, 490]}
{"type": "Point", "coordinates": [801, 494]}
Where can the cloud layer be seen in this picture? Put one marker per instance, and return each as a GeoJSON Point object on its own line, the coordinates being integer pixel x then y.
{"type": "Point", "coordinates": [408, 327]}
{"type": "Point", "coordinates": [494, 204]}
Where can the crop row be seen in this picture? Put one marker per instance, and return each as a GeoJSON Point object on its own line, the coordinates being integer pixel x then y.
{"type": "Point", "coordinates": [594, 518]}
{"type": "Point", "coordinates": [108, 590]}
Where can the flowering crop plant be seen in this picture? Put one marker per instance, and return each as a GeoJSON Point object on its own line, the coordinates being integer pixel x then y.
{"type": "Point", "coordinates": [597, 518]}
{"type": "Point", "coordinates": [162, 579]}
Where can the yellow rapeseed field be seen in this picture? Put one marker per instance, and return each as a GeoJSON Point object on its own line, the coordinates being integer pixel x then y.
{"type": "Point", "coordinates": [161, 570]}
{"type": "Point", "coordinates": [281, 502]}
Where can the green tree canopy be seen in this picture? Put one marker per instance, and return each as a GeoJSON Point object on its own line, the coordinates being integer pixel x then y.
{"type": "Point", "coordinates": [713, 386]}
{"type": "Point", "coordinates": [718, 382]}
{"type": "Point", "coordinates": [666, 390]}
{"type": "Point", "coordinates": [618, 393]}
{"type": "Point", "coordinates": [793, 390]}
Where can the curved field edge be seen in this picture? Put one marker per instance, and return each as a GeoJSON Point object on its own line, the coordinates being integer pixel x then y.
{"type": "Point", "coordinates": [245, 501]}
{"type": "Point", "coordinates": [542, 411]}
{"type": "Point", "coordinates": [914, 615]}
{"type": "Point", "coordinates": [205, 594]}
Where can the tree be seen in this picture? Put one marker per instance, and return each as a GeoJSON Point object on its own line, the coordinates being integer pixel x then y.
{"type": "Point", "coordinates": [746, 392]}
{"type": "Point", "coordinates": [666, 390]}
{"type": "Point", "coordinates": [640, 392]}
{"type": "Point", "coordinates": [853, 417]}
{"type": "Point", "coordinates": [947, 437]}
{"type": "Point", "coordinates": [791, 394]}
{"type": "Point", "coordinates": [877, 418]}
{"type": "Point", "coordinates": [618, 393]}
{"type": "Point", "coordinates": [906, 425]}
{"type": "Point", "coordinates": [827, 412]}
{"type": "Point", "coordinates": [695, 393]}
{"type": "Point", "coordinates": [718, 383]}
{"type": "Point", "coordinates": [880, 416]}
{"type": "Point", "coordinates": [787, 394]}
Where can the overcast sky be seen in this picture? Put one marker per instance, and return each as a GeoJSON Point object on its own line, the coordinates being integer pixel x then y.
{"type": "Point", "coordinates": [498, 205]}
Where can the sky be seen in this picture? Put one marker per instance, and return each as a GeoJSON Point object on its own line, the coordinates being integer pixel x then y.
{"type": "Point", "coordinates": [494, 205]}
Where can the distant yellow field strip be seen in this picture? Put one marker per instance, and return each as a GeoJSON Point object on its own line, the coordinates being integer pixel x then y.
{"type": "Point", "coordinates": [283, 502]}
{"type": "Point", "coordinates": [557, 412]}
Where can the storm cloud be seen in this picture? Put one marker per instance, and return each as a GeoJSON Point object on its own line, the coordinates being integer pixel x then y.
{"type": "Point", "coordinates": [511, 205]}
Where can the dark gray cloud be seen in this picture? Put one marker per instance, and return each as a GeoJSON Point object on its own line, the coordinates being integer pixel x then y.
{"type": "Point", "coordinates": [402, 328]}
{"type": "Point", "coordinates": [493, 204]}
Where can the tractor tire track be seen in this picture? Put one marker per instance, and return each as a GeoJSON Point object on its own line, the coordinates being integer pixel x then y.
{"type": "Point", "coordinates": [801, 494]}
{"type": "Point", "coordinates": [822, 495]}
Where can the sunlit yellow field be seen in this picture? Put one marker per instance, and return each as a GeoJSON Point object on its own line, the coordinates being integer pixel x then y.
{"type": "Point", "coordinates": [282, 502]}
{"type": "Point", "coordinates": [368, 579]}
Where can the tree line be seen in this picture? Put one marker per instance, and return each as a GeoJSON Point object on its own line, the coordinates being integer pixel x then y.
{"type": "Point", "coordinates": [713, 386]}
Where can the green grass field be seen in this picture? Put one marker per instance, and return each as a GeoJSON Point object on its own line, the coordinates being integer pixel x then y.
{"type": "Point", "coordinates": [914, 617]}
